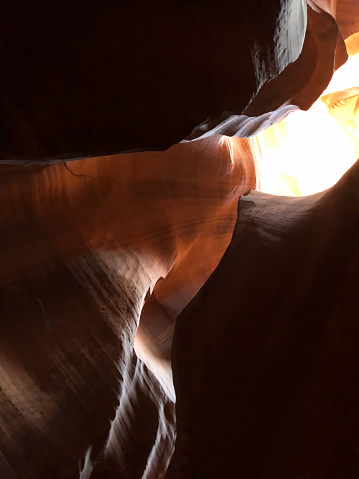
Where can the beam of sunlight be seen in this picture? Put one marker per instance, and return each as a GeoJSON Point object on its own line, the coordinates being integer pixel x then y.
{"type": "Point", "coordinates": [309, 151]}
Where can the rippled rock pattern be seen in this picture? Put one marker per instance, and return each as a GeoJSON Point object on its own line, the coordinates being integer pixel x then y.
{"type": "Point", "coordinates": [130, 347]}
{"type": "Point", "coordinates": [83, 244]}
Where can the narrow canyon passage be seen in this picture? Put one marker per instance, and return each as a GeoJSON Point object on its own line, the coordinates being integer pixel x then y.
{"type": "Point", "coordinates": [179, 240]}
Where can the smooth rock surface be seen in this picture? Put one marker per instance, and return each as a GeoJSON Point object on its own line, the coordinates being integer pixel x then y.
{"type": "Point", "coordinates": [83, 244]}
{"type": "Point", "coordinates": [265, 356]}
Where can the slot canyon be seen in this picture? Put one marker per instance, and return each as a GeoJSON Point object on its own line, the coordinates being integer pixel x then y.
{"type": "Point", "coordinates": [179, 239]}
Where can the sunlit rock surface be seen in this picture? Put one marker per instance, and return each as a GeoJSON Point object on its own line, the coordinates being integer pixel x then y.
{"type": "Point", "coordinates": [83, 244]}
{"type": "Point", "coordinates": [98, 257]}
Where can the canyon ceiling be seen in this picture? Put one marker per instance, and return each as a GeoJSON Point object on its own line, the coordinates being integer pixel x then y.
{"type": "Point", "coordinates": [162, 315]}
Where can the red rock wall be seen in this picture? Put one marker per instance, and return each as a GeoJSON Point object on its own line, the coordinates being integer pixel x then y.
{"type": "Point", "coordinates": [84, 244]}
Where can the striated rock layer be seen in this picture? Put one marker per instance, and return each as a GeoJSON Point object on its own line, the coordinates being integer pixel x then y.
{"type": "Point", "coordinates": [83, 244]}
{"type": "Point", "coordinates": [99, 257]}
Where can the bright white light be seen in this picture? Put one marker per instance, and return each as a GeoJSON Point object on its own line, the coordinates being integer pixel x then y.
{"type": "Point", "coordinates": [310, 150]}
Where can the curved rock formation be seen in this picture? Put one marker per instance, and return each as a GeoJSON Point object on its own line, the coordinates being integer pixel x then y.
{"type": "Point", "coordinates": [82, 245]}
{"type": "Point", "coordinates": [265, 356]}
{"type": "Point", "coordinates": [298, 85]}
{"type": "Point", "coordinates": [88, 247]}
{"type": "Point", "coordinates": [111, 77]}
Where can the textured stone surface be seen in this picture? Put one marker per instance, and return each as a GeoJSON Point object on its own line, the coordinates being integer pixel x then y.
{"type": "Point", "coordinates": [83, 244]}
{"type": "Point", "coordinates": [103, 77]}
{"type": "Point", "coordinates": [99, 256]}
{"type": "Point", "coordinates": [266, 355]}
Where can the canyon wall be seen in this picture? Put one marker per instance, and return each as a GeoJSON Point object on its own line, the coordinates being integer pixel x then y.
{"type": "Point", "coordinates": [109, 255]}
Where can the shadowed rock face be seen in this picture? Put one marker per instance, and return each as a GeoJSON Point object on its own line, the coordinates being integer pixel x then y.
{"type": "Point", "coordinates": [67, 362]}
{"type": "Point", "coordinates": [109, 77]}
{"type": "Point", "coordinates": [265, 387]}
{"type": "Point", "coordinates": [265, 354]}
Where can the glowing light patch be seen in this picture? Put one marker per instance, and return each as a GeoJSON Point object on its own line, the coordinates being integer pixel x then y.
{"type": "Point", "coordinates": [310, 150]}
